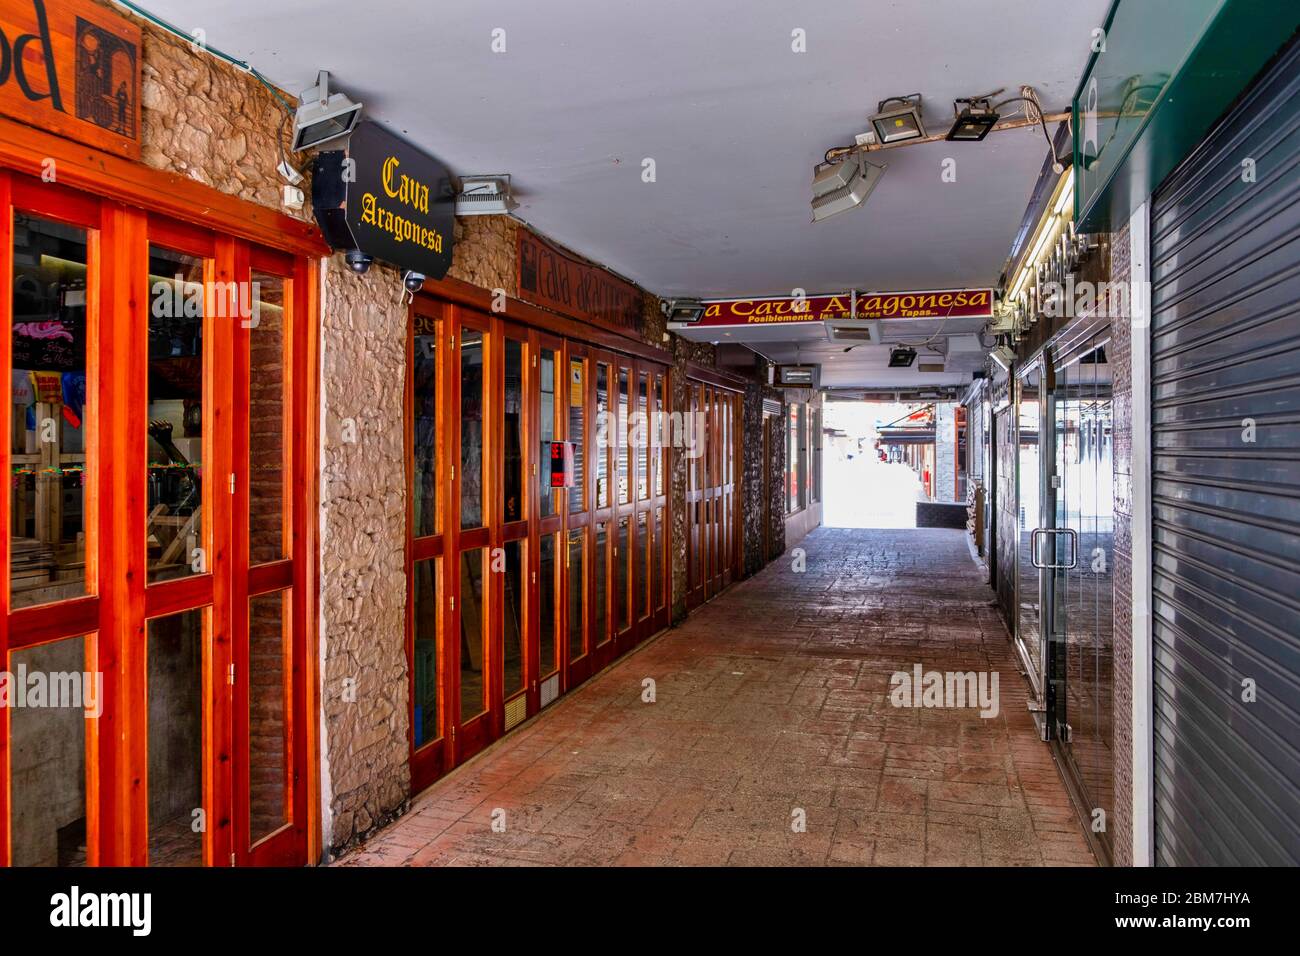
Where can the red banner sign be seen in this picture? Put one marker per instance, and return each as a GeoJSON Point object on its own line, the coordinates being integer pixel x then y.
{"type": "Point", "coordinates": [937, 304]}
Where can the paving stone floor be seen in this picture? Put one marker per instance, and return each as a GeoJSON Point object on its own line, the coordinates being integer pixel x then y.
{"type": "Point", "coordinates": [772, 705]}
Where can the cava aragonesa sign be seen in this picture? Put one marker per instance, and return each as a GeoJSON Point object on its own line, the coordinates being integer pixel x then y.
{"type": "Point", "coordinates": [387, 199]}
{"type": "Point", "coordinates": [793, 310]}
{"type": "Point", "coordinates": [72, 67]}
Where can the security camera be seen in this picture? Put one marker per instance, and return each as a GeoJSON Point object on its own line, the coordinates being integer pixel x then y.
{"type": "Point", "coordinates": [358, 261]}
{"type": "Point", "coordinates": [414, 281]}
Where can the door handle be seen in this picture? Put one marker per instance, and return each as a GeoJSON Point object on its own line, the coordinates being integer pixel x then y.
{"type": "Point", "coordinates": [1074, 548]}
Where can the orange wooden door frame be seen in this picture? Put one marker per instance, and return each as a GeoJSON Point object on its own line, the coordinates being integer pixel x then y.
{"type": "Point", "coordinates": [114, 613]}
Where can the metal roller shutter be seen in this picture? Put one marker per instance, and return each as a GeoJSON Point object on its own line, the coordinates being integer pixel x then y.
{"type": "Point", "coordinates": [1225, 340]}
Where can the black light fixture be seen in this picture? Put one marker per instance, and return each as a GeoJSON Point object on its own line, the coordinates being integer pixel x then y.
{"type": "Point", "coordinates": [974, 121]}
{"type": "Point", "coordinates": [902, 357]}
{"type": "Point", "coordinates": [898, 123]}
{"type": "Point", "coordinates": [683, 310]}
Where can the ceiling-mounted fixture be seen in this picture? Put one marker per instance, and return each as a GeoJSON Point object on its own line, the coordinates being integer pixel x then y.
{"type": "Point", "coordinates": [1003, 357]}
{"type": "Point", "coordinates": [485, 196]}
{"type": "Point", "coordinates": [322, 115]}
{"type": "Point", "coordinates": [840, 186]}
{"type": "Point", "coordinates": [898, 123]}
{"type": "Point", "coordinates": [902, 357]}
{"type": "Point", "coordinates": [683, 310]}
{"type": "Point", "coordinates": [974, 119]}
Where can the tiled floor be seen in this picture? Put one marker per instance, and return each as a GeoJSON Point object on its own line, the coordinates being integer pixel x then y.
{"type": "Point", "coordinates": [772, 707]}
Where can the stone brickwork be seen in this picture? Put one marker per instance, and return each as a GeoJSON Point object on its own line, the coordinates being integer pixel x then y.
{"type": "Point", "coordinates": [486, 252]}
{"type": "Point", "coordinates": [211, 122]}
{"type": "Point", "coordinates": [1119, 352]}
{"type": "Point", "coordinates": [363, 540]}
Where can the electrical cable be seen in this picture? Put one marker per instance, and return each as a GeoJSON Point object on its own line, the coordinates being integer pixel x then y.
{"type": "Point", "coordinates": [1042, 123]}
{"type": "Point", "coordinates": [239, 64]}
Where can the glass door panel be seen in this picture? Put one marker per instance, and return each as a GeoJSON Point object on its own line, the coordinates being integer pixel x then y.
{"type": "Point", "coordinates": [624, 483]}
{"type": "Point", "coordinates": [548, 499]}
{"type": "Point", "coordinates": [270, 688]}
{"type": "Point", "coordinates": [1086, 628]}
{"type": "Point", "coordinates": [178, 817]}
{"type": "Point", "coordinates": [622, 587]}
{"type": "Point", "coordinates": [176, 532]}
{"type": "Point", "coordinates": [47, 759]}
{"type": "Point", "coordinates": [473, 387]}
{"type": "Point", "coordinates": [604, 433]}
{"type": "Point", "coordinates": [48, 412]}
{"type": "Point", "coordinates": [577, 435]}
{"type": "Point", "coordinates": [425, 518]}
{"type": "Point", "coordinates": [512, 618]}
{"type": "Point", "coordinates": [473, 635]}
{"type": "Point", "coordinates": [268, 419]}
{"type": "Point", "coordinates": [512, 410]}
{"type": "Point", "coordinates": [600, 584]}
{"type": "Point", "coordinates": [548, 583]}
{"type": "Point", "coordinates": [576, 570]}
{"type": "Point", "coordinates": [1029, 517]}
{"type": "Point", "coordinates": [658, 591]}
{"type": "Point", "coordinates": [426, 666]}
{"type": "Point", "coordinates": [642, 560]}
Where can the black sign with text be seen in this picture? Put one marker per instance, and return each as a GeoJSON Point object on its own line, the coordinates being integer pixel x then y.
{"type": "Point", "coordinates": [384, 197]}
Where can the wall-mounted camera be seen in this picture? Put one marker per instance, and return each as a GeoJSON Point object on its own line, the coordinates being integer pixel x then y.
{"type": "Point", "coordinates": [358, 261]}
{"type": "Point", "coordinates": [414, 281]}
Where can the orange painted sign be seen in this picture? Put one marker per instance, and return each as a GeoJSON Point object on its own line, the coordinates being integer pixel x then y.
{"type": "Point", "coordinates": [73, 68]}
{"type": "Point", "coordinates": [926, 304]}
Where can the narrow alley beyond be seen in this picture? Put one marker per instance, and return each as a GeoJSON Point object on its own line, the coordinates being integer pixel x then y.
{"type": "Point", "coordinates": [772, 739]}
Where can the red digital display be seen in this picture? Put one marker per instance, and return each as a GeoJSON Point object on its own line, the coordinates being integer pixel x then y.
{"type": "Point", "coordinates": [561, 464]}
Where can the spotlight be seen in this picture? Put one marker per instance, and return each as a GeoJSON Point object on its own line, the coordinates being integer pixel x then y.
{"type": "Point", "coordinates": [899, 123]}
{"type": "Point", "coordinates": [839, 187]}
{"type": "Point", "coordinates": [902, 357]}
{"type": "Point", "coordinates": [414, 281]}
{"type": "Point", "coordinates": [1003, 357]}
{"type": "Point", "coordinates": [973, 121]}
{"type": "Point", "coordinates": [358, 261]}
{"type": "Point", "coordinates": [683, 310]}
{"type": "Point", "coordinates": [323, 116]}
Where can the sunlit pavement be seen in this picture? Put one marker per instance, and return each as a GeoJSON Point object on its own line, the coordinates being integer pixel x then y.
{"type": "Point", "coordinates": [772, 706]}
{"type": "Point", "coordinates": [864, 492]}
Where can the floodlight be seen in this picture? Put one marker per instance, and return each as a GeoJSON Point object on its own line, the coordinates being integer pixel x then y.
{"type": "Point", "coordinates": [902, 357]}
{"type": "Point", "coordinates": [973, 121]}
{"type": "Point", "coordinates": [844, 185]}
{"type": "Point", "coordinates": [683, 310]}
{"type": "Point", "coordinates": [898, 123]}
{"type": "Point", "coordinates": [322, 115]}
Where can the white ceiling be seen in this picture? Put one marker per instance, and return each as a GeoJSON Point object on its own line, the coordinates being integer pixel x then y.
{"type": "Point", "coordinates": [710, 90]}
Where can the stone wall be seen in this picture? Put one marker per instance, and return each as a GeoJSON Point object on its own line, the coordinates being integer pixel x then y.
{"type": "Point", "coordinates": [364, 751]}
{"type": "Point", "coordinates": [211, 122]}
{"type": "Point", "coordinates": [487, 252]}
